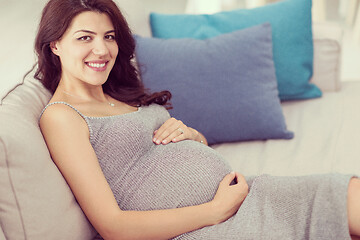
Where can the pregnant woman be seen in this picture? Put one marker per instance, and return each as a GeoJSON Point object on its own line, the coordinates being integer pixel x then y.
{"type": "Point", "coordinates": [136, 172]}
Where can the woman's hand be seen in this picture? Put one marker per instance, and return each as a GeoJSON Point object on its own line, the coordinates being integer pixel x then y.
{"type": "Point", "coordinates": [229, 198]}
{"type": "Point", "coordinates": [174, 130]}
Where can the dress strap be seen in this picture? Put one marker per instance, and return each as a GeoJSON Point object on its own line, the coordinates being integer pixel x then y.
{"type": "Point", "coordinates": [65, 103]}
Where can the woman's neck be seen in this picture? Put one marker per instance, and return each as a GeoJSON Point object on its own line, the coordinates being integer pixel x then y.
{"type": "Point", "coordinates": [84, 92]}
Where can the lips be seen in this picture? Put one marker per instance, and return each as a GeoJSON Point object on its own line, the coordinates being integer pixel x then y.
{"type": "Point", "coordinates": [97, 66]}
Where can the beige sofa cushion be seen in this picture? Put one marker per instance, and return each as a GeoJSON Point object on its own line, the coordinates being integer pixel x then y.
{"type": "Point", "coordinates": [327, 56]}
{"type": "Point", "coordinates": [35, 201]}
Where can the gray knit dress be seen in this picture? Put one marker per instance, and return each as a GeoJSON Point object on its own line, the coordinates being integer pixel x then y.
{"type": "Point", "coordinates": [146, 176]}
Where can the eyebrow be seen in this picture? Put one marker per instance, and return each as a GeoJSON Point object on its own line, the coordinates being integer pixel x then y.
{"type": "Point", "coordinates": [91, 32]}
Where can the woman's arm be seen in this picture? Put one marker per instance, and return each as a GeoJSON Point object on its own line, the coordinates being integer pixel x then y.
{"type": "Point", "coordinates": [174, 130]}
{"type": "Point", "coordinates": [67, 137]}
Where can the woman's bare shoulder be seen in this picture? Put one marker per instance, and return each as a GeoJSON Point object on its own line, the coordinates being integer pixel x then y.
{"type": "Point", "coordinates": [62, 116]}
{"type": "Point", "coordinates": [60, 112]}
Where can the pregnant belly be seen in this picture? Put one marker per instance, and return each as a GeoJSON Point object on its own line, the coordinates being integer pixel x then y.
{"type": "Point", "coordinates": [170, 176]}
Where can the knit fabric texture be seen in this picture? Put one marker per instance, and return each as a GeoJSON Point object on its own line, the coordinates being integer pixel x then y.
{"type": "Point", "coordinates": [146, 176]}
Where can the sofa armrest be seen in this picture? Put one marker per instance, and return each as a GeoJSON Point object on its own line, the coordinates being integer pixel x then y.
{"type": "Point", "coordinates": [327, 56]}
{"type": "Point", "coordinates": [2, 236]}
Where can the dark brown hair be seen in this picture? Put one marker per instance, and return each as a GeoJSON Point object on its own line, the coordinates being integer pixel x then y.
{"type": "Point", "coordinates": [123, 82]}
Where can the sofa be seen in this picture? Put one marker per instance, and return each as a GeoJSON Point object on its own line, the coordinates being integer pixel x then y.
{"type": "Point", "coordinates": [36, 202]}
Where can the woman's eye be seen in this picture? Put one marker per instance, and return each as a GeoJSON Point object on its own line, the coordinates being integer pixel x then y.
{"type": "Point", "coordinates": [110, 37]}
{"type": "Point", "coordinates": [84, 38]}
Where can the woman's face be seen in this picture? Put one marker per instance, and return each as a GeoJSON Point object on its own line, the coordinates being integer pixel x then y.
{"type": "Point", "coordinates": [88, 49]}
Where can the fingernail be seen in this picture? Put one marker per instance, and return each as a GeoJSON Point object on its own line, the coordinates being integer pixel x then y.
{"type": "Point", "coordinates": [154, 139]}
{"type": "Point", "coordinates": [158, 141]}
{"type": "Point", "coordinates": [164, 141]}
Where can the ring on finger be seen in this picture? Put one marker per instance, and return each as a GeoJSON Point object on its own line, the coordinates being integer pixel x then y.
{"type": "Point", "coordinates": [180, 130]}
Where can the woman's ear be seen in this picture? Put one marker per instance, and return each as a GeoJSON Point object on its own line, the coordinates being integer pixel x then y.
{"type": "Point", "coordinates": [54, 49]}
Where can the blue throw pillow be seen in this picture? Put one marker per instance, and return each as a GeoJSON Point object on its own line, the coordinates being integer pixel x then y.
{"type": "Point", "coordinates": [292, 38]}
{"type": "Point", "coordinates": [225, 86]}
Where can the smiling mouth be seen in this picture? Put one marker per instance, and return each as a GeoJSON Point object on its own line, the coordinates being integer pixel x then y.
{"type": "Point", "coordinates": [97, 66]}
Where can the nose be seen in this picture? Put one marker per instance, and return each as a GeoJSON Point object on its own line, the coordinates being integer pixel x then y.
{"type": "Point", "coordinates": [100, 48]}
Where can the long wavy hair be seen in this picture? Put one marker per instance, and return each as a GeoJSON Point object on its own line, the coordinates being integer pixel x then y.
{"type": "Point", "coordinates": [123, 83]}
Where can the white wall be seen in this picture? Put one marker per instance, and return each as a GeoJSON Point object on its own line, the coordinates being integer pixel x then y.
{"type": "Point", "coordinates": [18, 24]}
{"type": "Point", "coordinates": [165, 6]}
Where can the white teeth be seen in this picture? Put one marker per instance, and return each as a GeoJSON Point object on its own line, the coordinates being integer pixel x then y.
{"type": "Point", "coordinates": [96, 65]}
